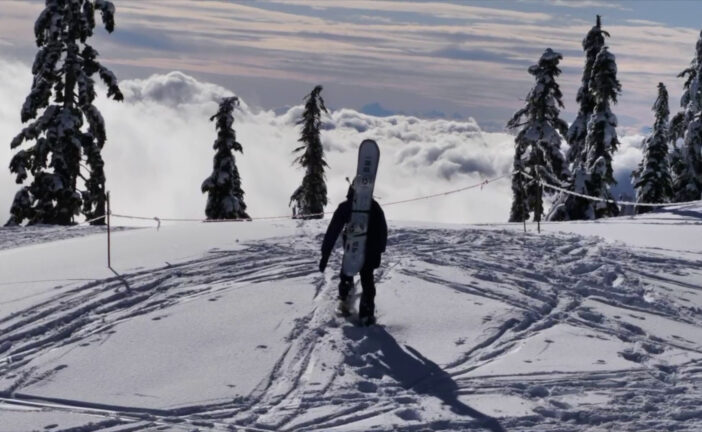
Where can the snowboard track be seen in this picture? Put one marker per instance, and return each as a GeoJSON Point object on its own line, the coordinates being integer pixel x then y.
{"type": "Point", "coordinates": [334, 374]}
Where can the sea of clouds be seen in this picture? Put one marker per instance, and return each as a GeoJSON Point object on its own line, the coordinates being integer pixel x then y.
{"type": "Point", "coordinates": [159, 151]}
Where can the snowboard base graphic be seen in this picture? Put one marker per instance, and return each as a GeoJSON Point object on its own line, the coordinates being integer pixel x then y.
{"type": "Point", "coordinates": [357, 227]}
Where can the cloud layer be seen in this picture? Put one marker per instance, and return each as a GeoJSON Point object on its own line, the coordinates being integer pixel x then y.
{"type": "Point", "coordinates": [411, 56]}
{"type": "Point", "coordinates": [160, 140]}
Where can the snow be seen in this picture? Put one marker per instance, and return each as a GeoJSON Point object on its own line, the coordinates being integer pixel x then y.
{"type": "Point", "coordinates": [160, 342]}
{"type": "Point", "coordinates": [19, 418]}
{"type": "Point", "coordinates": [132, 250]}
{"type": "Point", "coordinates": [229, 326]}
{"type": "Point", "coordinates": [670, 231]}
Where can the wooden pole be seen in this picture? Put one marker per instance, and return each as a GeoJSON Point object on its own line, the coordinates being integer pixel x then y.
{"type": "Point", "coordinates": [109, 248]}
{"type": "Point", "coordinates": [521, 188]}
{"type": "Point", "coordinates": [541, 202]}
{"type": "Point", "coordinates": [538, 222]}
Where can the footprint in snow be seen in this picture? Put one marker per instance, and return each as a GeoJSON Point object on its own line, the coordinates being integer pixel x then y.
{"type": "Point", "coordinates": [667, 369]}
{"type": "Point", "coordinates": [370, 372]}
{"type": "Point", "coordinates": [590, 315]}
{"type": "Point", "coordinates": [367, 387]}
{"type": "Point", "coordinates": [559, 404]}
{"type": "Point", "coordinates": [653, 349]}
{"type": "Point", "coordinates": [538, 391]}
{"type": "Point", "coordinates": [633, 328]}
{"type": "Point", "coordinates": [408, 414]}
{"type": "Point", "coordinates": [633, 356]}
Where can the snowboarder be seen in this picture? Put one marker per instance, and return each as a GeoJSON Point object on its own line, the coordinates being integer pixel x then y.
{"type": "Point", "coordinates": [375, 245]}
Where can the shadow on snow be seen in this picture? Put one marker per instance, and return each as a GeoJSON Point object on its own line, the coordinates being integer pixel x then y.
{"type": "Point", "coordinates": [412, 371]}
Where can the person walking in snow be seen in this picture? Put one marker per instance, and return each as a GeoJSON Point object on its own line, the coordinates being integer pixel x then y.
{"type": "Point", "coordinates": [376, 241]}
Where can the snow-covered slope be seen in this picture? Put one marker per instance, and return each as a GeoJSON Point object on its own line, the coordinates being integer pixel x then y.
{"type": "Point", "coordinates": [587, 326]}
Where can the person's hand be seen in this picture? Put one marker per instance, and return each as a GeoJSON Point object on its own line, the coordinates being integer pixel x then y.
{"type": "Point", "coordinates": [323, 263]}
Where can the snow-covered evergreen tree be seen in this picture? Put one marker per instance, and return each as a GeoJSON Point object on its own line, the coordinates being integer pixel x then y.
{"type": "Point", "coordinates": [577, 132]}
{"type": "Point", "coordinates": [652, 180]}
{"type": "Point", "coordinates": [591, 168]}
{"type": "Point", "coordinates": [566, 206]}
{"type": "Point", "coordinates": [538, 143]}
{"type": "Point", "coordinates": [602, 141]}
{"type": "Point", "coordinates": [310, 198]}
{"type": "Point", "coordinates": [678, 170]}
{"type": "Point", "coordinates": [520, 207]}
{"type": "Point", "coordinates": [225, 199]}
{"type": "Point", "coordinates": [686, 161]}
{"type": "Point", "coordinates": [67, 126]}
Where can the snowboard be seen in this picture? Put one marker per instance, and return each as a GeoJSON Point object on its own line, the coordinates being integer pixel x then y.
{"type": "Point", "coordinates": [357, 227]}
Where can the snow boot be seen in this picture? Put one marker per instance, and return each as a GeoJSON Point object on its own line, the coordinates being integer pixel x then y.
{"type": "Point", "coordinates": [344, 308]}
{"type": "Point", "coordinates": [366, 311]}
{"type": "Point", "coordinates": [366, 321]}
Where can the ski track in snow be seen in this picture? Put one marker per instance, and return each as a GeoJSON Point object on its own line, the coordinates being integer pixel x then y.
{"type": "Point", "coordinates": [12, 237]}
{"type": "Point", "coordinates": [334, 375]}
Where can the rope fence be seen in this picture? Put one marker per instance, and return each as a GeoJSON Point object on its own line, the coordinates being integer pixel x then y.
{"type": "Point", "coordinates": [86, 222]}
{"type": "Point", "coordinates": [158, 220]}
{"type": "Point", "coordinates": [109, 214]}
{"type": "Point", "coordinates": [303, 216]}
{"type": "Point", "coordinates": [592, 198]}
{"type": "Point", "coordinates": [480, 185]}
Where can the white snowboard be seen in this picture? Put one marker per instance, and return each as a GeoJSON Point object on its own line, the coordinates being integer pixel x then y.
{"type": "Point", "coordinates": [357, 228]}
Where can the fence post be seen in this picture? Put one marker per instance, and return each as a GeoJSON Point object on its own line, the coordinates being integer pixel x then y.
{"type": "Point", "coordinates": [541, 197]}
{"type": "Point", "coordinates": [109, 258]}
{"type": "Point", "coordinates": [540, 205]}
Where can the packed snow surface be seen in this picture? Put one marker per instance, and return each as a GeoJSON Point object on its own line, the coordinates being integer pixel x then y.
{"type": "Point", "coordinates": [584, 327]}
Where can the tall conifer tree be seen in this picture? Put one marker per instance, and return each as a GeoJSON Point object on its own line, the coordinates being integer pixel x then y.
{"type": "Point", "coordinates": [652, 180]}
{"type": "Point", "coordinates": [225, 199]}
{"type": "Point", "coordinates": [591, 159]}
{"type": "Point", "coordinates": [686, 161]}
{"type": "Point", "coordinates": [538, 143]}
{"type": "Point", "coordinates": [309, 199]}
{"type": "Point", "coordinates": [602, 142]}
{"type": "Point", "coordinates": [577, 132]}
{"type": "Point", "coordinates": [67, 127]}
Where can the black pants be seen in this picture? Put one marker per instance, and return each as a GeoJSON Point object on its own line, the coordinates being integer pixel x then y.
{"type": "Point", "coordinates": [367, 306]}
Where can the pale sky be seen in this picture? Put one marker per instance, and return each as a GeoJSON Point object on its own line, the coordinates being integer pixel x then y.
{"type": "Point", "coordinates": [463, 59]}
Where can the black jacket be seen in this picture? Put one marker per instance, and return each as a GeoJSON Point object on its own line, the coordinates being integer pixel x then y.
{"type": "Point", "coordinates": [376, 239]}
